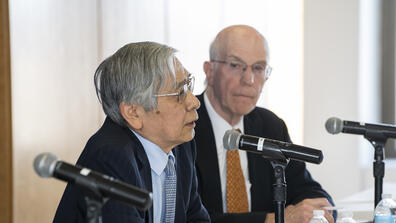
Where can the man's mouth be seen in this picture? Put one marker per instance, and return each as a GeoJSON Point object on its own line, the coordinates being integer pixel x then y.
{"type": "Point", "coordinates": [192, 123]}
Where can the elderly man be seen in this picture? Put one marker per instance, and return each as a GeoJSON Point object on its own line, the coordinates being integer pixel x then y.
{"type": "Point", "coordinates": [235, 75]}
{"type": "Point", "coordinates": [146, 139]}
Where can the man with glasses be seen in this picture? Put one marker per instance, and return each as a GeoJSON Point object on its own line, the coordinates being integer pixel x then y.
{"type": "Point", "coordinates": [146, 139]}
{"type": "Point", "coordinates": [236, 186]}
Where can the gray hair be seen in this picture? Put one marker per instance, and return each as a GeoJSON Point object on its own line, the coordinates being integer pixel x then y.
{"type": "Point", "coordinates": [214, 50]}
{"type": "Point", "coordinates": [133, 75]}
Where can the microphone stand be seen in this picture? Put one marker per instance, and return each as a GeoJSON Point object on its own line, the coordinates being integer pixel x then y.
{"type": "Point", "coordinates": [93, 199]}
{"type": "Point", "coordinates": [279, 186]}
{"type": "Point", "coordinates": [94, 208]}
{"type": "Point", "coordinates": [378, 141]}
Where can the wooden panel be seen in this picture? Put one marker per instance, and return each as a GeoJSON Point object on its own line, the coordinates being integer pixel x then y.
{"type": "Point", "coordinates": [5, 118]}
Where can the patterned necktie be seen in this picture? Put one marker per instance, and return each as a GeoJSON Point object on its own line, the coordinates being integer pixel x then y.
{"type": "Point", "coordinates": [169, 194]}
{"type": "Point", "coordinates": [237, 201]}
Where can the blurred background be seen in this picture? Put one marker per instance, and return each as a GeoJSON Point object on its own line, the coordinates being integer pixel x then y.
{"type": "Point", "coordinates": [330, 58]}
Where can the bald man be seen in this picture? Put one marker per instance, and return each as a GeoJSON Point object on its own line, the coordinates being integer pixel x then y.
{"type": "Point", "coordinates": [237, 187]}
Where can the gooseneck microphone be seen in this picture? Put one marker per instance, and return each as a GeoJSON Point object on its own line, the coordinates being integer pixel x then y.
{"type": "Point", "coordinates": [336, 125]}
{"type": "Point", "coordinates": [271, 149]}
{"type": "Point", "coordinates": [48, 165]}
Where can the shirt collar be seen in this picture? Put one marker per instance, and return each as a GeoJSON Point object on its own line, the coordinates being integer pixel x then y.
{"type": "Point", "coordinates": [156, 156]}
{"type": "Point", "coordinates": [221, 124]}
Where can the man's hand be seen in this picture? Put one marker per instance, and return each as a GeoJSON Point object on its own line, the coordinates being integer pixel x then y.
{"type": "Point", "coordinates": [303, 211]}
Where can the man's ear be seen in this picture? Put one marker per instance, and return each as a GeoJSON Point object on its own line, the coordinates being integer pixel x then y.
{"type": "Point", "coordinates": [133, 114]}
{"type": "Point", "coordinates": [209, 71]}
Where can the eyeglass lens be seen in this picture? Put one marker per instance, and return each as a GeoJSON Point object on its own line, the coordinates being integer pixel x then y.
{"type": "Point", "coordinates": [188, 86]}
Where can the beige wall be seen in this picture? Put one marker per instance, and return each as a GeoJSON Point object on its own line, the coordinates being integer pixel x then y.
{"type": "Point", "coordinates": [54, 48]}
{"type": "Point", "coordinates": [341, 79]}
{"type": "Point", "coordinates": [331, 90]}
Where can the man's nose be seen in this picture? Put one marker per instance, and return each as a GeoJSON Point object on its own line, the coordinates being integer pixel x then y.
{"type": "Point", "coordinates": [248, 76]}
{"type": "Point", "coordinates": [192, 101]}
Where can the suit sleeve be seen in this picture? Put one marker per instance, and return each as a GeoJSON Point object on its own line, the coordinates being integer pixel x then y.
{"type": "Point", "coordinates": [73, 208]}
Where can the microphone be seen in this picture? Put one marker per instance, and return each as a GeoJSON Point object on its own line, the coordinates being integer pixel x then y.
{"type": "Point", "coordinates": [48, 165]}
{"type": "Point", "coordinates": [336, 125]}
{"type": "Point", "coordinates": [271, 149]}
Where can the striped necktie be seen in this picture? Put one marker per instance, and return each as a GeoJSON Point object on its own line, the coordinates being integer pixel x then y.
{"type": "Point", "coordinates": [169, 198]}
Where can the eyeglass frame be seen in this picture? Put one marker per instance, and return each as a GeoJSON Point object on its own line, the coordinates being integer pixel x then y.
{"type": "Point", "coordinates": [267, 72]}
{"type": "Point", "coordinates": [187, 86]}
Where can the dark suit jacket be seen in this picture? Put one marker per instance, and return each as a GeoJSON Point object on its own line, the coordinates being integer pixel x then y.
{"type": "Point", "coordinates": [117, 152]}
{"type": "Point", "coordinates": [259, 122]}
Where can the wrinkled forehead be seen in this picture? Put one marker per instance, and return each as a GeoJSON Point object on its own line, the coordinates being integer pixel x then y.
{"type": "Point", "coordinates": [246, 46]}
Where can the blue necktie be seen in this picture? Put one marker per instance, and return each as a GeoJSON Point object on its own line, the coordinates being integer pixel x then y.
{"type": "Point", "coordinates": [169, 198]}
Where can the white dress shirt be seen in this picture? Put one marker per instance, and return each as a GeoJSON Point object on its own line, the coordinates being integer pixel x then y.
{"type": "Point", "coordinates": [220, 126]}
{"type": "Point", "coordinates": [158, 160]}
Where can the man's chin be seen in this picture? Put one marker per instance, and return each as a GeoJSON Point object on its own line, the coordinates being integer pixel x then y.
{"type": "Point", "coordinates": [243, 108]}
{"type": "Point", "coordinates": [189, 136]}
{"type": "Point", "coordinates": [192, 134]}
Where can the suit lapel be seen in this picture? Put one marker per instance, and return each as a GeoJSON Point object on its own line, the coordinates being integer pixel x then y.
{"type": "Point", "coordinates": [183, 183]}
{"type": "Point", "coordinates": [251, 127]}
{"type": "Point", "coordinates": [207, 161]}
{"type": "Point", "coordinates": [180, 184]}
{"type": "Point", "coordinates": [144, 170]}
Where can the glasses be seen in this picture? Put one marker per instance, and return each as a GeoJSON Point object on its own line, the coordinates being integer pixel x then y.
{"type": "Point", "coordinates": [238, 68]}
{"type": "Point", "coordinates": [182, 94]}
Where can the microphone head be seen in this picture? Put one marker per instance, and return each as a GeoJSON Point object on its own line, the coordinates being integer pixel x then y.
{"type": "Point", "coordinates": [334, 125]}
{"type": "Point", "coordinates": [44, 164]}
{"type": "Point", "coordinates": [231, 139]}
